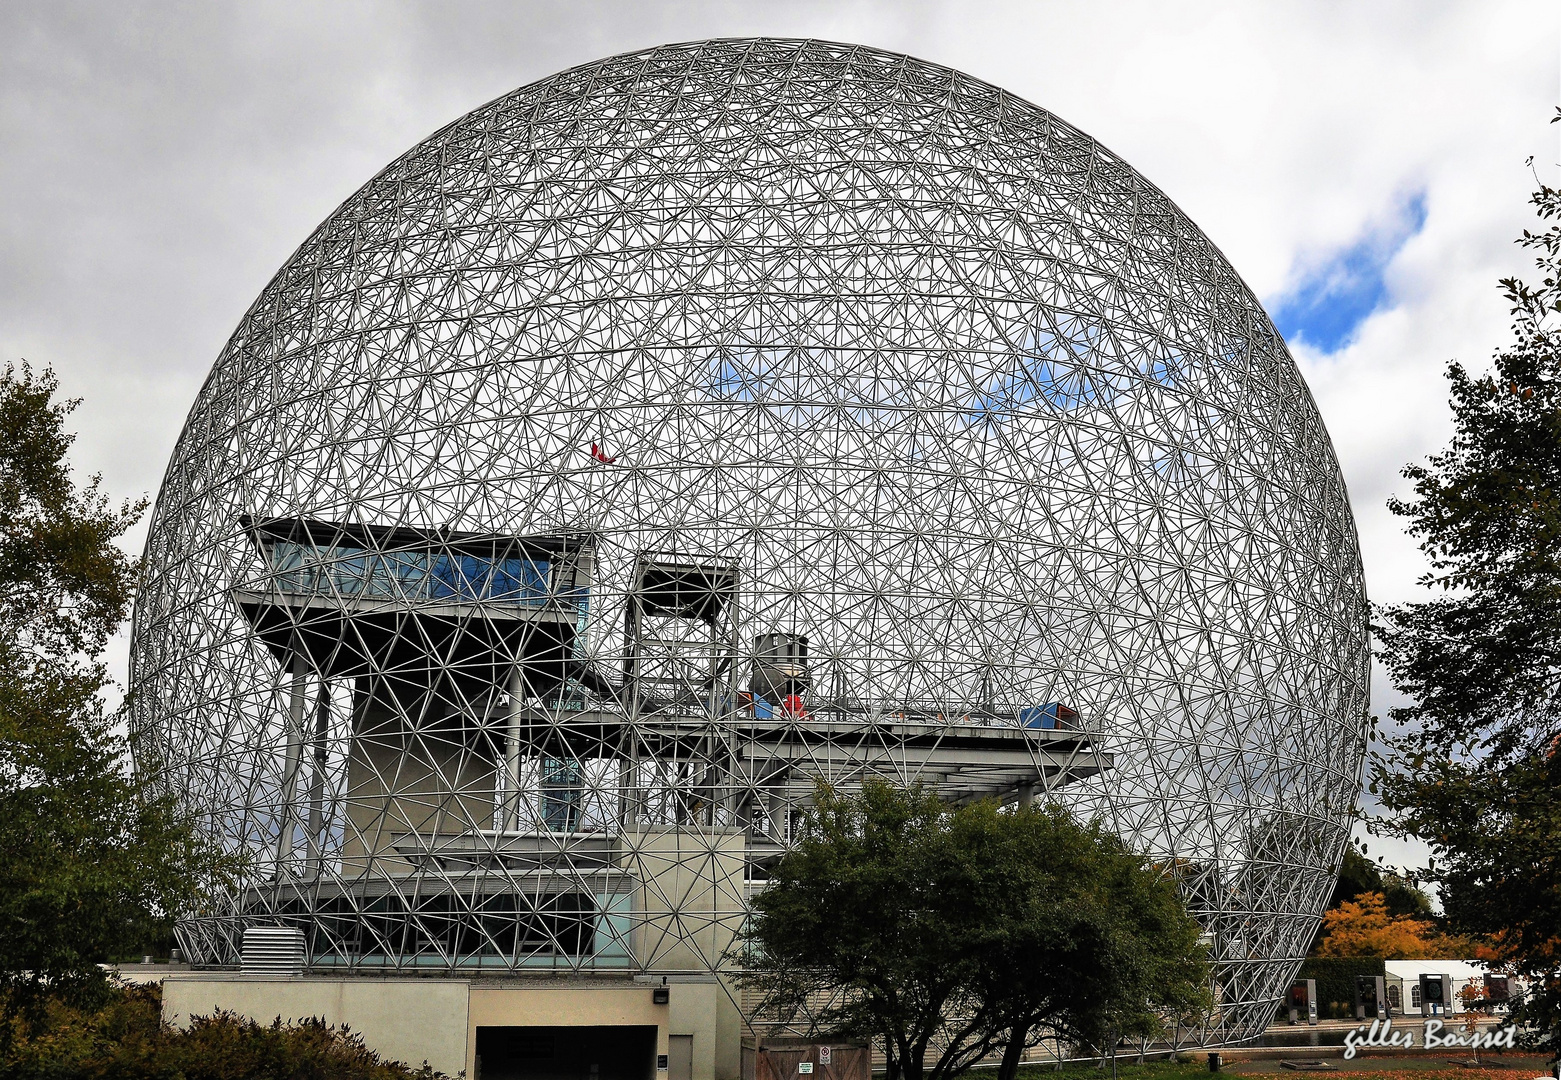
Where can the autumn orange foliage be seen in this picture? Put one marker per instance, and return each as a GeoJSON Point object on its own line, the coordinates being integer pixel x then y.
{"type": "Point", "coordinates": [1364, 927]}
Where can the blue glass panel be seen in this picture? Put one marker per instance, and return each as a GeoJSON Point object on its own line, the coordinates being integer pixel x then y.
{"type": "Point", "coordinates": [519, 580]}
{"type": "Point", "coordinates": [614, 923]}
{"type": "Point", "coordinates": [349, 569]}
{"type": "Point", "coordinates": [444, 581]}
{"type": "Point", "coordinates": [380, 584]}
{"type": "Point", "coordinates": [295, 573]}
{"type": "Point", "coordinates": [474, 576]}
{"type": "Point", "coordinates": [410, 575]}
{"type": "Point", "coordinates": [410, 570]}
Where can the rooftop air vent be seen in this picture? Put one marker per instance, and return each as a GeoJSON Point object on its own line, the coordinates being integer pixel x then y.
{"type": "Point", "coordinates": [273, 950]}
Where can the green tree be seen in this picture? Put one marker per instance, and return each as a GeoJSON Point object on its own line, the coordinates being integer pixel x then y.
{"type": "Point", "coordinates": [1358, 875]}
{"type": "Point", "coordinates": [90, 866]}
{"type": "Point", "coordinates": [1473, 766]}
{"type": "Point", "coordinates": [967, 930]}
{"type": "Point", "coordinates": [1085, 941]}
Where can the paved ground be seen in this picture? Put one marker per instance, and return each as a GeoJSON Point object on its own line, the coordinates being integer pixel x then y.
{"type": "Point", "coordinates": [1401, 1064]}
{"type": "Point", "coordinates": [1382, 1064]}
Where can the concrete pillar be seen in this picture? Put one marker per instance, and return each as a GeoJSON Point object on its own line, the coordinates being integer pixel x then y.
{"type": "Point", "coordinates": [322, 729]}
{"type": "Point", "coordinates": [286, 812]}
{"type": "Point", "coordinates": [509, 809]}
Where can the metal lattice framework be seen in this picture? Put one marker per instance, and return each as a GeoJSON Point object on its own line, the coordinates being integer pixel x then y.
{"type": "Point", "coordinates": [701, 421]}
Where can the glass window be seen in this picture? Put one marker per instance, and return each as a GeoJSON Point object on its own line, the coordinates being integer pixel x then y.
{"type": "Point", "coordinates": [471, 578]}
{"type": "Point", "coordinates": [349, 571]}
{"type": "Point", "coordinates": [381, 583]}
{"type": "Point", "coordinates": [561, 794]}
{"type": "Point", "coordinates": [475, 575]}
{"type": "Point", "coordinates": [406, 573]}
{"type": "Point", "coordinates": [519, 580]}
{"type": "Point", "coordinates": [295, 570]}
{"type": "Point", "coordinates": [445, 581]}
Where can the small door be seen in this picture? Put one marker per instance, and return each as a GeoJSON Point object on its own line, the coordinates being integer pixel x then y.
{"type": "Point", "coordinates": [680, 1057]}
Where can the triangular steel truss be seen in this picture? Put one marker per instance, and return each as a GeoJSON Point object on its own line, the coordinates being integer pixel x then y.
{"type": "Point", "coordinates": [699, 422]}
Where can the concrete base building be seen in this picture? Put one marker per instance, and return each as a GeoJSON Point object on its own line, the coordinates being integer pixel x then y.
{"type": "Point", "coordinates": [500, 1029]}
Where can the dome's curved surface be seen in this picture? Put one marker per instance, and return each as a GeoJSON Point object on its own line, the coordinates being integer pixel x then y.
{"type": "Point", "coordinates": [951, 389]}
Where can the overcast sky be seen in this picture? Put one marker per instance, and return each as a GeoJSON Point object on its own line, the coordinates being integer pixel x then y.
{"type": "Point", "coordinates": [1363, 166]}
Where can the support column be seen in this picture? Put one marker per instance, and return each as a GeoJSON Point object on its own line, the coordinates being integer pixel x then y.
{"type": "Point", "coordinates": [286, 812]}
{"type": "Point", "coordinates": [322, 729]}
{"type": "Point", "coordinates": [777, 811]}
{"type": "Point", "coordinates": [628, 792]}
{"type": "Point", "coordinates": [1026, 795]}
{"type": "Point", "coordinates": [509, 812]}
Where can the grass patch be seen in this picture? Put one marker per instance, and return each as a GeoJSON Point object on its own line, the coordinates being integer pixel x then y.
{"type": "Point", "coordinates": [1127, 1069]}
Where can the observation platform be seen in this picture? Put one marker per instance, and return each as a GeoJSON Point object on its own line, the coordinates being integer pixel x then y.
{"type": "Point", "coordinates": [970, 760]}
{"type": "Point", "coordinates": [350, 600]}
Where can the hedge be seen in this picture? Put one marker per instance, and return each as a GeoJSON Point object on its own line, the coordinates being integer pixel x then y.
{"type": "Point", "coordinates": [1336, 982]}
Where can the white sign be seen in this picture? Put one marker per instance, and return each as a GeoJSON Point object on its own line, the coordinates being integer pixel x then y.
{"type": "Point", "coordinates": [804, 1067]}
{"type": "Point", "coordinates": [823, 1055]}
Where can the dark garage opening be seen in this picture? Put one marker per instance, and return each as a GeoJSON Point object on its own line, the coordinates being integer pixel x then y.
{"type": "Point", "coordinates": [566, 1053]}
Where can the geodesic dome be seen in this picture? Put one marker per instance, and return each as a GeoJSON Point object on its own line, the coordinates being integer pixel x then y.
{"type": "Point", "coordinates": [700, 421]}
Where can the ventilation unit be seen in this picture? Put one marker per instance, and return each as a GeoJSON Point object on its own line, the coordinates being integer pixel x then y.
{"type": "Point", "coordinates": [273, 950]}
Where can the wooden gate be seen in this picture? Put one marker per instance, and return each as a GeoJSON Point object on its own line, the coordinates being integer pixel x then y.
{"type": "Point", "coordinates": [789, 1059]}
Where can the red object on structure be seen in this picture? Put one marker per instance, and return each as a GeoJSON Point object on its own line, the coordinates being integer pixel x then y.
{"type": "Point", "coordinates": [792, 705]}
{"type": "Point", "coordinates": [599, 455]}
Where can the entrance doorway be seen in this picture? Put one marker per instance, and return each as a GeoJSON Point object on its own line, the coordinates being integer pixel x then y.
{"type": "Point", "coordinates": [566, 1053]}
{"type": "Point", "coordinates": [680, 1057]}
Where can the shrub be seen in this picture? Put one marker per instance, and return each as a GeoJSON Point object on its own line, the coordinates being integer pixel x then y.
{"type": "Point", "coordinates": [127, 1040]}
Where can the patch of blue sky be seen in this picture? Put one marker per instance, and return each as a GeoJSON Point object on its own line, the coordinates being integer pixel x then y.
{"type": "Point", "coordinates": [1327, 306]}
{"type": "Point", "coordinates": [778, 376]}
{"type": "Point", "coordinates": [1065, 374]}
{"type": "Point", "coordinates": [1054, 371]}
{"type": "Point", "coordinates": [745, 376]}
{"type": "Point", "coordinates": [1050, 371]}
{"type": "Point", "coordinates": [1036, 377]}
